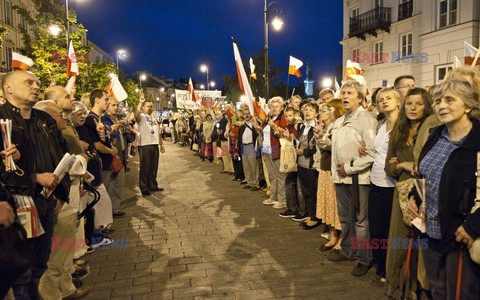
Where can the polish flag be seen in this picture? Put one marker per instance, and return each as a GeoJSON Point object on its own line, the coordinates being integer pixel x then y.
{"type": "Point", "coordinates": [115, 89]}
{"type": "Point", "coordinates": [252, 69]}
{"type": "Point", "coordinates": [254, 107]}
{"type": "Point", "coordinates": [191, 91]}
{"type": "Point", "coordinates": [72, 65]}
{"type": "Point", "coordinates": [294, 67]}
{"type": "Point", "coordinates": [457, 63]}
{"type": "Point", "coordinates": [21, 62]}
{"type": "Point", "coordinates": [70, 84]}
{"type": "Point", "coordinates": [470, 54]}
{"type": "Point", "coordinates": [352, 69]}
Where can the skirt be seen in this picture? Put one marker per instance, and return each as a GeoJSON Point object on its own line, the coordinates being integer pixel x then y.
{"type": "Point", "coordinates": [326, 200]}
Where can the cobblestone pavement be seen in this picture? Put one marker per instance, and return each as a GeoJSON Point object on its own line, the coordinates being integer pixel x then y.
{"type": "Point", "coordinates": [206, 238]}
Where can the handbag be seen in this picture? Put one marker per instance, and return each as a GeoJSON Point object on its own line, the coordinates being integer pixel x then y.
{"type": "Point", "coordinates": [403, 189]}
{"type": "Point", "coordinates": [288, 156]}
{"type": "Point", "coordinates": [117, 164]}
{"type": "Point", "coordinates": [16, 255]}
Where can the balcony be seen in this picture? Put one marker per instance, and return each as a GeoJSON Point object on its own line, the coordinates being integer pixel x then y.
{"type": "Point", "coordinates": [369, 22]}
{"type": "Point", "coordinates": [405, 10]}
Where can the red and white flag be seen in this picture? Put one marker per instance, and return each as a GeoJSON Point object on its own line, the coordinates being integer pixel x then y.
{"type": "Point", "coordinates": [72, 65]}
{"type": "Point", "coordinates": [115, 89]}
{"type": "Point", "coordinates": [21, 62]}
{"type": "Point", "coordinates": [254, 107]}
{"type": "Point", "coordinates": [294, 67]}
{"type": "Point", "coordinates": [191, 91]}
{"type": "Point", "coordinates": [470, 53]}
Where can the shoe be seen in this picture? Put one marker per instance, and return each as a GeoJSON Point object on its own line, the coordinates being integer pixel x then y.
{"type": "Point", "coordinates": [105, 241]}
{"type": "Point", "coordinates": [247, 186]}
{"type": "Point", "coordinates": [310, 227]}
{"type": "Point", "coordinates": [223, 172]}
{"type": "Point", "coordinates": [146, 193]}
{"type": "Point", "coordinates": [243, 182]}
{"type": "Point", "coordinates": [77, 282]}
{"type": "Point", "coordinates": [231, 173]}
{"type": "Point", "coordinates": [336, 256]}
{"type": "Point", "coordinates": [79, 273]}
{"type": "Point", "coordinates": [234, 179]}
{"type": "Point", "coordinates": [80, 262]}
{"type": "Point", "coordinates": [157, 189]}
{"type": "Point", "coordinates": [108, 231]}
{"type": "Point", "coordinates": [254, 188]}
{"type": "Point", "coordinates": [287, 214]}
{"type": "Point", "coordinates": [79, 293]}
{"type": "Point", "coordinates": [269, 193]}
{"type": "Point", "coordinates": [90, 250]}
{"type": "Point", "coordinates": [279, 205]}
{"type": "Point", "coordinates": [299, 217]}
{"type": "Point", "coordinates": [324, 248]}
{"type": "Point", "coordinates": [360, 270]}
{"type": "Point", "coordinates": [118, 214]}
{"type": "Point", "coordinates": [239, 179]}
{"type": "Point", "coordinates": [377, 281]}
{"type": "Point", "coordinates": [269, 202]}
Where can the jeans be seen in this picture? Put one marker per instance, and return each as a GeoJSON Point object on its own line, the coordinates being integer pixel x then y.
{"type": "Point", "coordinates": [354, 221]}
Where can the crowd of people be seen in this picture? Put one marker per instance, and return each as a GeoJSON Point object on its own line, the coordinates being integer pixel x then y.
{"type": "Point", "coordinates": [50, 219]}
{"type": "Point", "coordinates": [367, 168]}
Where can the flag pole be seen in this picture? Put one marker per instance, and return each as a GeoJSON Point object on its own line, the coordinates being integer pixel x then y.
{"type": "Point", "coordinates": [293, 92]}
{"type": "Point", "coordinates": [288, 82]}
{"type": "Point", "coordinates": [476, 57]}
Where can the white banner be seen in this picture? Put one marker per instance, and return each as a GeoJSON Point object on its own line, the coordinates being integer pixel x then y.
{"type": "Point", "coordinates": [204, 98]}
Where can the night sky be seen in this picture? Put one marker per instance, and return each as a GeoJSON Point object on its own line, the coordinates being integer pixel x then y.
{"type": "Point", "coordinates": [173, 37]}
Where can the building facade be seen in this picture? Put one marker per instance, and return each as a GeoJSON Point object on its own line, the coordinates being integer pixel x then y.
{"type": "Point", "coordinates": [390, 38]}
{"type": "Point", "coordinates": [14, 22]}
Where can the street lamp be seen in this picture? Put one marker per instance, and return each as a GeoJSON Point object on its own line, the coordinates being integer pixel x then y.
{"type": "Point", "coordinates": [122, 54]}
{"type": "Point", "coordinates": [202, 86]}
{"type": "Point", "coordinates": [327, 82]}
{"type": "Point", "coordinates": [212, 84]}
{"type": "Point", "coordinates": [277, 25]}
{"type": "Point", "coordinates": [54, 30]}
{"type": "Point", "coordinates": [142, 78]}
{"type": "Point", "coordinates": [204, 69]}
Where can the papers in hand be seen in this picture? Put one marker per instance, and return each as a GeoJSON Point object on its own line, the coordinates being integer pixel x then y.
{"type": "Point", "coordinates": [63, 167]}
{"type": "Point", "coordinates": [421, 190]}
{"type": "Point", "coordinates": [6, 128]}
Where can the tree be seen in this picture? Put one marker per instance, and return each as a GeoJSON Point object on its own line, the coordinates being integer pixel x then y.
{"type": "Point", "coordinates": [131, 87]}
{"type": "Point", "coordinates": [3, 32]}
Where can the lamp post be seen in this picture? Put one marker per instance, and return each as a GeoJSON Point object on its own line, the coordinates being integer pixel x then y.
{"type": "Point", "coordinates": [277, 25]}
{"type": "Point", "coordinates": [204, 68]}
{"type": "Point", "coordinates": [122, 54]}
{"type": "Point", "coordinates": [212, 84]}
{"type": "Point", "coordinates": [141, 78]}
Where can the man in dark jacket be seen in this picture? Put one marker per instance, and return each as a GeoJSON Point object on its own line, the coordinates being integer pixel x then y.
{"type": "Point", "coordinates": [36, 135]}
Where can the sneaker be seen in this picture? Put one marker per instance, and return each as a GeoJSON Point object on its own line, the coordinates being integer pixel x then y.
{"type": "Point", "coordinates": [103, 242]}
{"type": "Point", "coordinates": [279, 205]}
{"type": "Point", "coordinates": [336, 256]}
{"type": "Point", "coordinates": [90, 250]}
{"type": "Point", "coordinates": [299, 217]}
{"type": "Point", "coordinates": [360, 270]}
{"type": "Point", "coordinates": [269, 202]}
{"type": "Point", "coordinates": [118, 214]}
{"type": "Point", "coordinates": [287, 214]}
{"type": "Point", "coordinates": [247, 186]}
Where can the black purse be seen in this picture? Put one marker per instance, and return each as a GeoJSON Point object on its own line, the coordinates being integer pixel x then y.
{"type": "Point", "coordinates": [16, 255]}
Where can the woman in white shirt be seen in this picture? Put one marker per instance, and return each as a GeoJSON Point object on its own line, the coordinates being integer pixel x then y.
{"type": "Point", "coordinates": [382, 186]}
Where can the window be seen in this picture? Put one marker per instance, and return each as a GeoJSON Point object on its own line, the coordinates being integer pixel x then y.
{"type": "Point", "coordinates": [355, 54]}
{"type": "Point", "coordinates": [441, 71]}
{"type": "Point", "coordinates": [355, 12]}
{"type": "Point", "coordinates": [378, 52]}
{"type": "Point", "coordinates": [22, 22]}
{"type": "Point", "coordinates": [378, 3]}
{"type": "Point", "coordinates": [8, 56]}
{"type": "Point", "coordinates": [406, 45]}
{"type": "Point", "coordinates": [447, 13]}
{"type": "Point", "coordinates": [8, 13]}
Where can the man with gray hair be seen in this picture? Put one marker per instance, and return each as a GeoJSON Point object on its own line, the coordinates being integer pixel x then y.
{"type": "Point", "coordinates": [351, 175]}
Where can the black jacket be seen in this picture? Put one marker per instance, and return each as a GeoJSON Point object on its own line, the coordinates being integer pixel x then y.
{"type": "Point", "coordinates": [240, 136]}
{"type": "Point", "coordinates": [457, 188]}
{"type": "Point", "coordinates": [222, 126]}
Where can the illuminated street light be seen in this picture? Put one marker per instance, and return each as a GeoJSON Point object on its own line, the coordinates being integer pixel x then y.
{"type": "Point", "coordinates": [327, 82]}
{"type": "Point", "coordinates": [162, 89]}
{"type": "Point", "coordinates": [54, 30]}
{"type": "Point", "coordinates": [202, 86]}
{"type": "Point", "coordinates": [137, 90]}
{"type": "Point", "coordinates": [277, 23]}
{"type": "Point", "coordinates": [212, 84]}
{"type": "Point", "coordinates": [121, 54]}
{"type": "Point", "coordinates": [142, 77]}
{"type": "Point", "coordinates": [204, 69]}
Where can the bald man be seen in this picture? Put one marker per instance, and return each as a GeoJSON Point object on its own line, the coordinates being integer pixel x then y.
{"type": "Point", "coordinates": [57, 283]}
{"type": "Point", "coordinates": [41, 147]}
{"type": "Point", "coordinates": [60, 95]}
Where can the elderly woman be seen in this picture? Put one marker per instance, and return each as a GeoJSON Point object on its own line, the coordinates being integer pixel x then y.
{"type": "Point", "coordinates": [271, 153]}
{"type": "Point", "coordinates": [448, 162]}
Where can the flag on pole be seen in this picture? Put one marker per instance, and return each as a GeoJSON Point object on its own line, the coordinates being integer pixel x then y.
{"type": "Point", "coordinates": [252, 69]}
{"type": "Point", "coordinates": [294, 67]}
{"type": "Point", "coordinates": [352, 69]}
{"type": "Point", "coordinates": [254, 107]}
{"type": "Point", "coordinates": [337, 89]}
{"type": "Point", "coordinates": [115, 89]}
{"type": "Point", "coordinates": [72, 65]}
{"type": "Point", "coordinates": [470, 53]}
{"type": "Point", "coordinates": [191, 91]}
{"type": "Point", "coordinates": [21, 62]}
{"type": "Point", "coordinates": [457, 63]}
{"type": "Point", "coordinates": [70, 84]}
